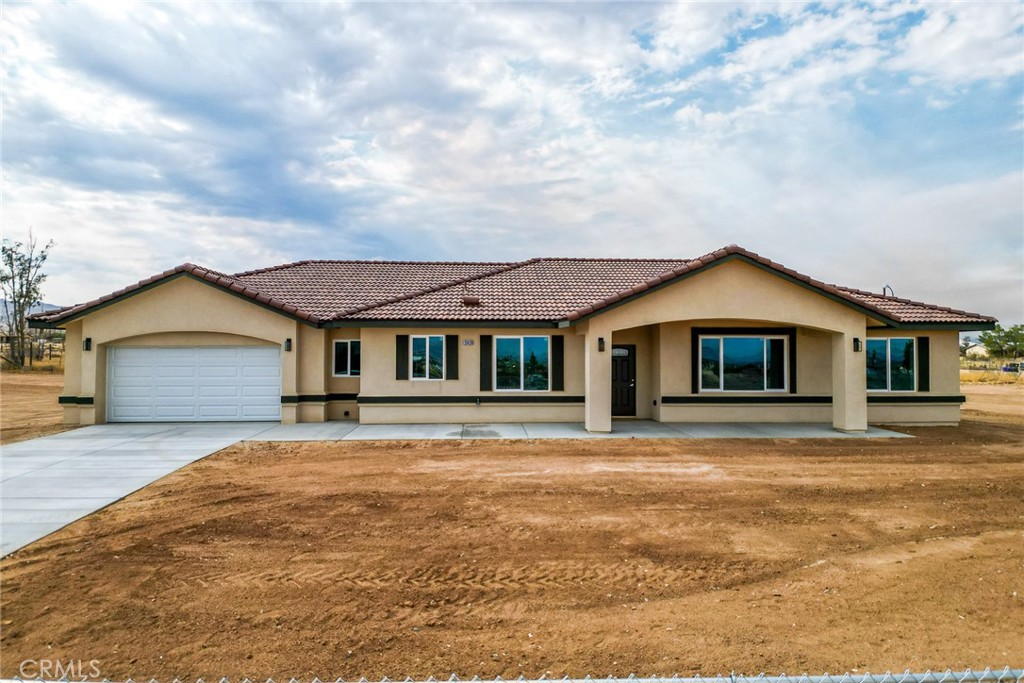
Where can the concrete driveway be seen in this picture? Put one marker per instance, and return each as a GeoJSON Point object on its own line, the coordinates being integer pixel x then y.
{"type": "Point", "coordinates": [49, 482]}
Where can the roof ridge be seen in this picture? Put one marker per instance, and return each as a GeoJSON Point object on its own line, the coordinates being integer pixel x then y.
{"type": "Point", "coordinates": [610, 258]}
{"type": "Point", "coordinates": [947, 309]}
{"type": "Point", "coordinates": [304, 262]}
{"type": "Point", "coordinates": [504, 268]}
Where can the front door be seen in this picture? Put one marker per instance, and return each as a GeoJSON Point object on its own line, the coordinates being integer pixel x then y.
{"type": "Point", "coordinates": [624, 380]}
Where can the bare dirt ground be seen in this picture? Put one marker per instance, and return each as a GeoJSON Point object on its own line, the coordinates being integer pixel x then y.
{"type": "Point", "coordinates": [1002, 399]}
{"type": "Point", "coordinates": [568, 557]}
{"type": "Point", "coordinates": [28, 405]}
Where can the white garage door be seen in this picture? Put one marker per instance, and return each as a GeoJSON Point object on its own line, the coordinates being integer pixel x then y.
{"type": "Point", "coordinates": [193, 384]}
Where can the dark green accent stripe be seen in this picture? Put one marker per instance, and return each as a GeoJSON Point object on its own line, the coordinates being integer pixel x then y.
{"type": "Point", "coordinates": [770, 400]}
{"type": "Point", "coordinates": [914, 398]}
{"type": "Point", "coordinates": [318, 398]}
{"type": "Point", "coordinates": [451, 356]}
{"type": "Point", "coordinates": [486, 346]}
{"type": "Point", "coordinates": [806, 400]}
{"type": "Point", "coordinates": [557, 363]}
{"type": "Point", "coordinates": [489, 398]}
{"type": "Point", "coordinates": [75, 400]}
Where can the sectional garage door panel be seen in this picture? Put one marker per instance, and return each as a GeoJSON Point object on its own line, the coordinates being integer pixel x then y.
{"type": "Point", "coordinates": [190, 384]}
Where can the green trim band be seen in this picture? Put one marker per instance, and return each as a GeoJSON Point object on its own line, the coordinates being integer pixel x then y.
{"type": "Point", "coordinates": [770, 400]}
{"type": "Point", "coordinates": [75, 400]}
{"type": "Point", "coordinates": [805, 400]}
{"type": "Point", "coordinates": [540, 398]}
{"type": "Point", "coordinates": [318, 398]}
{"type": "Point", "coordinates": [914, 398]}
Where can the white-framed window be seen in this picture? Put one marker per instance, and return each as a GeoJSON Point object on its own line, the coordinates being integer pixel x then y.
{"type": "Point", "coordinates": [347, 357]}
{"type": "Point", "coordinates": [426, 357]}
{"type": "Point", "coordinates": [522, 363]}
{"type": "Point", "coordinates": [743, 363]}
{"type": "Point", "coordinates": [891, 364]}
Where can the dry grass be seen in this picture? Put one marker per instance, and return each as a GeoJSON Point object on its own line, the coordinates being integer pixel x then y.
{"type": "Point", "coordinates": [990, 377]}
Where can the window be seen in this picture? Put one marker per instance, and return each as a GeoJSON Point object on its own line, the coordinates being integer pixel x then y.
{"type": "Point", "coordinates": [891, 364]}
{"type": "Point", "coordinates": [427, 357]}
{"type": "Point", "coordinates": [522, 363]}
{"type": "Point", "coordinates": [742, 363]}
{"type": "Point", "coordinates": [347, 359]}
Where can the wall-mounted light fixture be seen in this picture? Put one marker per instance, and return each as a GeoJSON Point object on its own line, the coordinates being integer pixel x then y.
{"type": "Point", "coordinates": [288, 344]}
{"type": "Point", "coordinates": [857, 345]}
{"type": "Point", "coordinates": [87, 344]}
{"type": "Point", "coordinates": [600, 344]}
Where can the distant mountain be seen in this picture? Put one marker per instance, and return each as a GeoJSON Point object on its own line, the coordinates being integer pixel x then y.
{"type": "Point", "coordinates": [38, 308]}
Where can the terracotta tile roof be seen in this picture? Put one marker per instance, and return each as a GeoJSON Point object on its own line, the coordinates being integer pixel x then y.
{"type": "Point", "coordinates": [539, 290]}
{"type": "Point", "coordinates": [329, 289]}
{"type": "Point", "coordinates": [907, 311]}
{"type": "Point", "coordinates": [547, 290]}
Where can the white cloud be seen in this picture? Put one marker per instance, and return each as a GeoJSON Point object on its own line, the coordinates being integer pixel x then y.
{"type": "Point", "coordinates": [965, 42]}
{"type": "Point", "coordinates": [239, 135]}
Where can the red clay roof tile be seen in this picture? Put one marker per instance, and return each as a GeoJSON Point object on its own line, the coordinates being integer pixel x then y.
{"type": "Point", "coordinates": [538, 290]}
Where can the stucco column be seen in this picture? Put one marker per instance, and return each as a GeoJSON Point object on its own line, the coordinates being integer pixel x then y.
{"type": "Point", "coordinates": [311, 351]}
{"type": "Point", "coordinates": [289, 379]}
{"type": "Point", "coordinates": [849, 384]}
{"type": "Point", "coordinates": [598, 386]}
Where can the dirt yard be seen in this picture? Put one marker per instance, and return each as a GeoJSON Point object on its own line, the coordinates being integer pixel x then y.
{"type": "Point", "coordinates": [572, 557]}
{"type": "Point", "coordinates": [28, 405]}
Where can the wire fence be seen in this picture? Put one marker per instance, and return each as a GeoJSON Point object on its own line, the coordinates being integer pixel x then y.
{"type": "Point", "coordinates": [1005, 675]}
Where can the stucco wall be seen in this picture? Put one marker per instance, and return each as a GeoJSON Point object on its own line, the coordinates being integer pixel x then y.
{"type": "Point", "coordinates": [180, 312]}
{"type": "Point", "coordinates": [187, 312]}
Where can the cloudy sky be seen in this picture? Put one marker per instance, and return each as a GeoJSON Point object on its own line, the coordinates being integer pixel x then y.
{"type": "Point", "coordinates": [865, 144]}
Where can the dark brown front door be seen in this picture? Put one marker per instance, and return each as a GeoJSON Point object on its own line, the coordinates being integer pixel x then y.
{"type": "Point", "coordinates": [624, 380]}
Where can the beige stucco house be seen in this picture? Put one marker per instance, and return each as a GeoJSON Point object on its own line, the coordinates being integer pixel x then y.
{"type": "Point", "coordinates": [729, 337]}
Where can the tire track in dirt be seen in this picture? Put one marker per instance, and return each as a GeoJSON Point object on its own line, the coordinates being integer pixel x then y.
{"type": "Point", "coordinates": [529, 578]}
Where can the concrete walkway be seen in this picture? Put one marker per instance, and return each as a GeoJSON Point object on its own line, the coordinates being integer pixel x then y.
{"type": "Point", "coordinates": [49, 482]}
{"type": "Point", "coordinates": [621, 429]}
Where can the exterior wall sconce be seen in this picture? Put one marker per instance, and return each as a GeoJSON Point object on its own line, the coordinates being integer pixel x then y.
{"type": "Point", "coordinates": [858, 345]}
{"type": "Point", "coordinates": [288, 344]}
{"type": "Point", "coordinates": [600, 344]}
{"type": "Point", "coordinates": [87, 344]}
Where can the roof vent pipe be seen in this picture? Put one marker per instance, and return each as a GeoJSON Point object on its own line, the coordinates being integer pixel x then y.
{"type": "Point", "coordinates": [887, 287]}
{"type": "Point", "coordinates": [470, 300]}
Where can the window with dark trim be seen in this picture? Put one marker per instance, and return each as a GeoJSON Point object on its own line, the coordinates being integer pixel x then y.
{"type": "Point", "coordinates": [427, 357]}
{"type": "Point", "coordinates": [891, 364]}
{"type": "Point", "coordinates": [347, 357]}
{"type": "Point", "coordinates": [522, 363]}
{"type": "Point", "coordinates": [743, 363]}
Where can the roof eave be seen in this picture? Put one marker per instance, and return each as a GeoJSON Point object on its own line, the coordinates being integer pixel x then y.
{"type": "Point", "coordinates": [60, 321]}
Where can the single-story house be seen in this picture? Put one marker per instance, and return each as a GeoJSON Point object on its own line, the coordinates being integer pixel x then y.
{"type": "Point", "coordinates": [727, 337]}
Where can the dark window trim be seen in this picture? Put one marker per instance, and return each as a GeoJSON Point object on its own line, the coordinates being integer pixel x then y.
{"type": "Point", "coordinates": [696, 332]}
{"type": "Point", "coordinates": [538, 397]}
